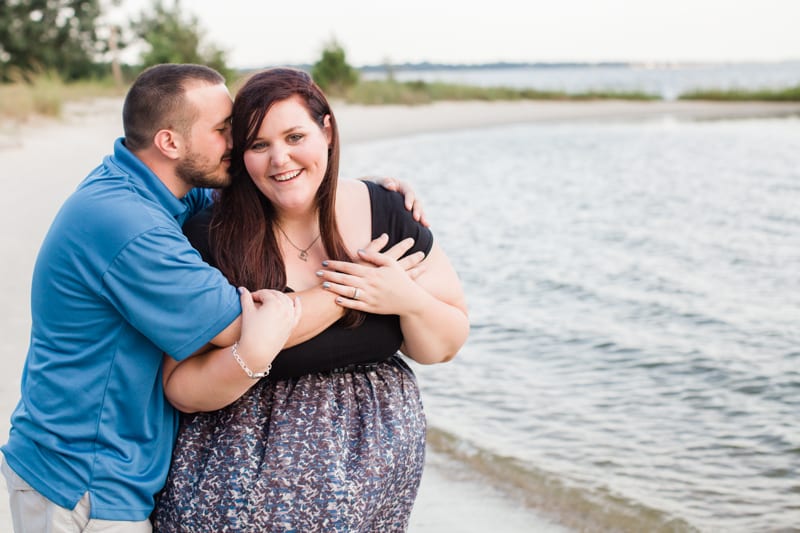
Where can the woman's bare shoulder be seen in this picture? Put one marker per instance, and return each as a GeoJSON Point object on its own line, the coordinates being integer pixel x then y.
{"type": "Point", "coordinates": [352, 194]}
{"type": "Point", "coordinates": [353, 212]}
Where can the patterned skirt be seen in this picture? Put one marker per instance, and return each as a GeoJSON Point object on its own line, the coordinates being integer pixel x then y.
{"type": "Point", "coordinates": [338, 451]}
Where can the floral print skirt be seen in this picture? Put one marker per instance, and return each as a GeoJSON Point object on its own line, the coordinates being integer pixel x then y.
{"type": "Point", "coordinates": [336, 451]}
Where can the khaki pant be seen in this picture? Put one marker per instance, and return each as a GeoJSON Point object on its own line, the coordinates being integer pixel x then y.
{"type": "Point", "coordinates": [33, 513]}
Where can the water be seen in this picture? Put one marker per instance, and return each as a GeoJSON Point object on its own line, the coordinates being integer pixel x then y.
{"type": "Point", "coordinates": [666, 81]}
{"type": "Point", "coordinates": [634, 359]}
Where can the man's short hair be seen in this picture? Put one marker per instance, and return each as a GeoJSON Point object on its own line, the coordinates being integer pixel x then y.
{"type": "Point", "coordinates": [155, 101]}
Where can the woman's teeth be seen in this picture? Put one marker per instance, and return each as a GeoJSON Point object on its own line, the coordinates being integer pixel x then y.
{"type": "Point", "coordinates": [287, 176]}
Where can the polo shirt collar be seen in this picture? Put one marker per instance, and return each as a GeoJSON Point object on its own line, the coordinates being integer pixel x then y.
{"type": "Point", "coordinates": [144, 178]}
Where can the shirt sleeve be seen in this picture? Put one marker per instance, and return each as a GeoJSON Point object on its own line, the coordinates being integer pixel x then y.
{"type": "Point", "coordinates": [160, 285]}
{"type": "Point", "coordinates": [390, 216]}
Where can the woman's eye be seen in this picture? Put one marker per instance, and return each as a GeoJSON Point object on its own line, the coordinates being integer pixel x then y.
{"type": "Point", "coordinates": [258, 146]}
{"type": "Point", "coordinates": [295, 137]}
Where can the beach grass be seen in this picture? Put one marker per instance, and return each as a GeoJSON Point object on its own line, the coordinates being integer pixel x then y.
{"type": "Point", "coordinates": [791, 94]}
{"type": "Point", "coordinates": [46, 94]}
{"type": "Point", "coordinates": [384, 92]}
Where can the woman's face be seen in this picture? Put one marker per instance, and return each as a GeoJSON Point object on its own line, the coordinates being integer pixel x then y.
{"type": "Point", "coordinates": [288, 159]}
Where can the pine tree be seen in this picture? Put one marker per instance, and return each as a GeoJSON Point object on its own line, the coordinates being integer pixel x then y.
{"type": "Point", "coordinates": [175, 38]}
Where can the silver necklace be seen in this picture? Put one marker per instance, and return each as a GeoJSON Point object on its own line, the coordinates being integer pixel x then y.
{"type": "Point", "coordinates": [303, 251]}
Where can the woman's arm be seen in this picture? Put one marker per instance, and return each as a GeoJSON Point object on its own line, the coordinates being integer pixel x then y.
{"type": "Point", "coordinates": [320, 312]}
{"type": "Point", "coordinates": [440, 326]}
{"type": "Point", "coordinates": [432, 309]}
{"type": "Point", "coordinates": [213, 379]}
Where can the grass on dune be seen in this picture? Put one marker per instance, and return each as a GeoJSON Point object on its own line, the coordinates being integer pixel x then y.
{"type": "Point", "coordinates": [420, 92]}
{"type": "Point", "coordinates": [46, 94]}
{"type": "Point", "coordinates": [791, 94]}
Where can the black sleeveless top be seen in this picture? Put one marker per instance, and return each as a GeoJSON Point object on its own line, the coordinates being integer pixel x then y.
{"type": "Point", "coordinates": [379, 337]}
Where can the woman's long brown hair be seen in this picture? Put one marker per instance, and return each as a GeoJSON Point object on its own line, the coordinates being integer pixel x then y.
{"type": "Point", "coordinates": [242, 235]}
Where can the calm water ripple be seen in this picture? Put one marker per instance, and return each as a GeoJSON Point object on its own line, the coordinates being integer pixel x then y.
{"type": "Point", "coordinates": [634, 303]}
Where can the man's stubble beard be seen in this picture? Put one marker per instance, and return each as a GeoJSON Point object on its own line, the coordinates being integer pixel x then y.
{"type": "Point", "coordinates": [194, 170]}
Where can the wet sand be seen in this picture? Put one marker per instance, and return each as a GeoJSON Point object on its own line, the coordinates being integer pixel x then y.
{"type": "Point", "coordinates": [44, 160]}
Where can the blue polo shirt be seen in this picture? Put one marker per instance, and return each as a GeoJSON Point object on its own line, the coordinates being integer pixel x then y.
{"type": "Point", "coordinates": [115, 285]}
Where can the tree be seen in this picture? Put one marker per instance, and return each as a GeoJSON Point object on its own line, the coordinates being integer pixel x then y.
{"type": "Point", "coordinates": [49, 35]}
{"type": "Point", "coordinates": [331, 72]}
{"type": "Point", "coordinates": [173, 38]}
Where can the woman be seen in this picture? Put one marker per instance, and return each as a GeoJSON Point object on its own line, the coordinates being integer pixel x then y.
{"type": "Point", "coordinates": [334, 439]}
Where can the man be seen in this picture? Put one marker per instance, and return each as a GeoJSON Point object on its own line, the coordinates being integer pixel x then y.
{"type": "Point", "coordinates": [116, 284]}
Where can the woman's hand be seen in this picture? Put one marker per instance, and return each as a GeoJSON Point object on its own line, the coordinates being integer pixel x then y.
{"type": "Point", "coordinates": [268, 318]}
{"type": "Point", "coordinates": [432, 310]}
{"type": "Point", "coordinates": [380, 283]}
{"type": "Point", "coordinates": [213, 378]}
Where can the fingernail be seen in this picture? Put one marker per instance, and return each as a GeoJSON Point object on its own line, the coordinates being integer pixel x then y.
{"type": "Point", "coordinates": [338, 299]}
{"type": "Point", "coordinates": [326, 285]}
{"type": "Point", "coordinates": [319, 273]}
{"type": "Point", "coordinates": [361, 251]}
{"type": "Point", "coordinates": [239, 290]}
{"type": "Point", "coordinates": [325, 263]}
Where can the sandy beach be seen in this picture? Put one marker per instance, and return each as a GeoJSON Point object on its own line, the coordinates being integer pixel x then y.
{"type": "Point", "coordinates": [44, 160]}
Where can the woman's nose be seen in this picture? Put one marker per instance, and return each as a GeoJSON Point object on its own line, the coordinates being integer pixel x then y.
{"type": "Point", "coordinates": [280, 155]}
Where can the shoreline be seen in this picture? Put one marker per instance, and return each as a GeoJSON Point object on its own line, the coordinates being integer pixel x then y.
{"type": "Point", "coordinates": [359, 123]}
{"type": "Point", "coordinates": [44, 159]}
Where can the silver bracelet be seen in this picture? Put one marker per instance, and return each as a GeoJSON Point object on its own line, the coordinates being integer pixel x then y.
{"type": "Point", "coordinates": [250, 373]}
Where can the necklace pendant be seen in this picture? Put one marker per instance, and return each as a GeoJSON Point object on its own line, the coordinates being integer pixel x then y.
{"type": "Point", "coordinates": [303, 255]}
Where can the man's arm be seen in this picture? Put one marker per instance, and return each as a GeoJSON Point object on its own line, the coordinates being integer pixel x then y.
{"type": "Point", "coordinates": [212, 378]}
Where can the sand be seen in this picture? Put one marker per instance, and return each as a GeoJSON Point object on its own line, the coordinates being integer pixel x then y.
{"type": "Point", "coordinates": [42, 161]}
{"type": "Point", "coordinates": [361, 123]}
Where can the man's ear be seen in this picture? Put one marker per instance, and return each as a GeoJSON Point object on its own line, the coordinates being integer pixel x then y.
{"type": "Point", "coordinates": [169, 143]}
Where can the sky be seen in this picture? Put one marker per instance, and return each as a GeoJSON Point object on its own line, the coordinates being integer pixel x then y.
{"type": "Point", "coordinates": [262, 33]}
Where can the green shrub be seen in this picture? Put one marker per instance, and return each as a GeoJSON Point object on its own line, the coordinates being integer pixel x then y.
{"type": "Point", "coordinates": [332, 72]}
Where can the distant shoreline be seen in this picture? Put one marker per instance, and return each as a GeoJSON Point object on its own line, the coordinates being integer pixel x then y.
{"type": "Point", "coordinates": [426, 65]}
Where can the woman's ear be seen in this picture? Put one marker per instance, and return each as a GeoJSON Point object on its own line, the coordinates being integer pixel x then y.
{"type": "Point", "coordinates": [326, 128]}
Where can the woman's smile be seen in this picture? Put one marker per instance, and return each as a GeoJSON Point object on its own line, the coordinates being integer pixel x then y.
{"type": "Point", "coordinates": [286, 176]}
